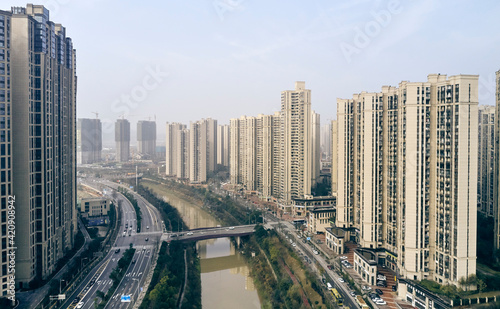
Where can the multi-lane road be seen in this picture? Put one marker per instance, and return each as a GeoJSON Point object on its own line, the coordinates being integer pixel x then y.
{"type": "Point", "coordinates": [145, 242]}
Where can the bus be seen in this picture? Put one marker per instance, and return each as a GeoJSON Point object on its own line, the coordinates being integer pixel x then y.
{"type": "Point", "coordinates": [338, 297]}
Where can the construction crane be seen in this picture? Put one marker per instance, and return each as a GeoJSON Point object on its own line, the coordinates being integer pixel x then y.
{"type": "Point", "coordinates": [96, 115]}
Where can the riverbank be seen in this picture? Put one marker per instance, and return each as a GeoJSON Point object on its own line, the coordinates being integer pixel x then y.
{"type": "Point", "coordinates": [281, 279]}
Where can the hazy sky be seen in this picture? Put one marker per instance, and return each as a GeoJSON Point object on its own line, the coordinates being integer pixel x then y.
{"type": "Point", "coordinates": [186, 60]}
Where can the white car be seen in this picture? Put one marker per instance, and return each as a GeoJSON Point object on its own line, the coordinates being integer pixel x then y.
{"type": "Point", "coordinates": [315, 252]}
{"type": "Point", "coordinates": [231, 228]}
{"type": "Point", "coordinates": [341, 280]}
{"type": "Point", "coordinates": [366, 288]}
{"type": "Point", "coordinates": [189, 233]}
{"type": "Point", "coordinates": [293, 244]}
{"type": "Point", "coordinates": [343, 257]}
{"type": "Point", "coordinates": [80, 305]}
{"type": "Point", "coordinates": [380, 301]}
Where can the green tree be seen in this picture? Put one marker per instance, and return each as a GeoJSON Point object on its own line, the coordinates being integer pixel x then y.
{"type": "Point", "coordinates": [481, 285]}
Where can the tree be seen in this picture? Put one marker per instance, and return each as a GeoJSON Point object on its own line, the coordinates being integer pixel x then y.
{"type": "Point", "coordinates": [481, 285]}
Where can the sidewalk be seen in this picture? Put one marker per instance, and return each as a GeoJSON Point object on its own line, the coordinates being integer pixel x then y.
{"type": "Point", "coordinates": [31, 299]}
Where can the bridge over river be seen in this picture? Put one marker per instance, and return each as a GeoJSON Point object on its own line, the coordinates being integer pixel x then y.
{"type": "Point", "coordinates": [207, 233]}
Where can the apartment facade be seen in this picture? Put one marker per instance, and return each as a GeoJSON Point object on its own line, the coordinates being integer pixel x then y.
{"type": "Point", "coordinates": [89, 140]}
{"type": "Point", "coordinates": [43, 83]}
{"type": "Point", "coordinates": [146, 139]}
{"type": "Point", "coordinates": [122, 140]}
{"type": "Point", "coordinates": [496, 209]}
{"type": "Point", "coordinates": [407, 174]}
{"type": "Point", "coordinates": [223, 138]}
{"type": "Point", "coordinates": [486, 160]}
{"type": "Point", "coordinates": [171, 147]}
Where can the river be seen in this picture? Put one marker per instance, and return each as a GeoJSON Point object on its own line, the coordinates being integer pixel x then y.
{"type": "Point", "coordinates": [225, 279]}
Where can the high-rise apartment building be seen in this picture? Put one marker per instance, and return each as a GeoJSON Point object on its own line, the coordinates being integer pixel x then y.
{"type": "Point", "coordinates": [333, 151]}
{"type": "Point", "coordinates": [326, 140]}
{"type": "Point", "coordinates": [89, 140]}
{"type": "Point", "coordinates": [316, 149]}
{"type": "Point", "coordinates": [297, 147]}
{"type": "Point", "coordinates": [278, 155]}
{"type": "Point", "coordinates": [172, 134]}
{"type": "Point", "coordinates": [223, 145]}
{"type": "Point", "coordinates": [37, 66]}
{"type": "Point", "coordinates": [407, 175]}
{"type": "Point", "coordinates": [202, 149]}
{"type": "Point", "coordinates": [496, 209]}
{"type": "Point", "coordinates": [146, 138]}
{"type": "Point", "coordinates": [122, 139]}
{"type": "Point", "coordinates": [183, 154]}
{"type": "Point", "coordinates": [486, 160]}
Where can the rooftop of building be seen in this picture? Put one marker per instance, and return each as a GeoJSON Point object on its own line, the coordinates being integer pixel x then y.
{"type": "Point", "coordinates": [367, 255]}
{"type": "Point", "coordinates": [336, 231]}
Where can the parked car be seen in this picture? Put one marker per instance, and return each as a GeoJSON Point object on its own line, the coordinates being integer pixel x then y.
{"type": "Point", "coordinates": [394, 288]}
{"type": "Point", "coordinates": [366, 288]}
{"type": "Point", "coordinates": [80, 305]}
{"type": "Point", "coordinates": [329, 267]}
{"type": "Point", "coordinates": [380, 301]}
{"type": "Point", "coordinates": [352, 293]}
{"type": "Point", "coordinates": [341, 280]}
{"type": "Point", "coordinates": [382, 283]}
{"type": "Point", "coordinates": [315, 252]}
{"type": "Point", "coordinates": [117, 250]}
{"type": "Point", "coordinates": [379, 291]}
{"type": "Point", "coordinates": [343, 257]}
{"type": "Point", "coordinates": [381, 277]}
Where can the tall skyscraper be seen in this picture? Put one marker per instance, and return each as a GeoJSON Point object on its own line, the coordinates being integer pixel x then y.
{"type": "Point", "coordinates": [223, 145]}
{"type": "Point", "coordinates": [407, 175]}
{"type": "Point", "coordinates": [326, 140]}
{"type": "Point", "coordinates": [122, 139]}
{"type": "Point", "coordinates": [316, 149]}
{"type": "Point", "coordinates": [89, 140]}
{"type": "Point", "coordinates": [297, 147]}
{"type": "Point", "coordinates": [278, 155]}
{"type": "Point", "coordinates": [172, 134]}
{"type": "Point", "coordinates": [183, 154]}
{"type": "Point", "coordinates": [334, 156]}
{"type": "Point", "coordinates": [486, 160]}
{"type": "Point", "coordinates": [146, 139]}
{"type": "Point", "coordinates": [203, 149]}
{"type": "Point", "coordinates": [496, 209]}
{"type": "Point", "coordinates": [43, 87]}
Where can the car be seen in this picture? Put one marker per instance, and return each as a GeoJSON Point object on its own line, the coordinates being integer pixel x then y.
{"type": "Point", "coordinates": [76, 300]}
{"type": "Point", "coordinates": [293, 244]}
{"type": "Point", "coordinates": [381, 277]}
{"type": "Point", "coordinates": [147, 227]}
{"type": "Point", "coordinates": [189, 233]}
{"type": "Point", "coordinates": [379, 291]}
{"type": "Point", "coordinates": [133, 261]}
{"type": "Point", "coordinates": [117, 250]}
{"type": "Point", "coordinates": [315, 252]}
{"type": "Point", "coordinates": [382, 283]}
{"type": "Point", "coordinates": [341, 280]}
{"type": "Point", "coordinates": [80, 305]}
{"type": "Point", "coordinates": [146, 239]}
{"type": "Point", "coordinates": [231, 228]}
{"type": "Point", "coordinates": [366, 288]}
{"type": "Point", "coordinates": [380, 301]}
{"type": "Point", "coordinates": [173, 235]}
{"type": "Point", "coordinates": [352, 293]}
{"type": "Point", "coordinates": [343, 257]}
{"type": "Point", "coordinates": [394, 288]}
{"type": "Point", "coordinates": [329, 267]}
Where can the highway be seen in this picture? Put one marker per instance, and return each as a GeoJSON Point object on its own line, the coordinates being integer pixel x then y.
{"type": "Point", "coordinates": [144, 243]}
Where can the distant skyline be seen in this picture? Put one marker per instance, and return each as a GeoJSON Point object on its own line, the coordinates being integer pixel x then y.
{"type": "Point", "coordinates": [182, 61]}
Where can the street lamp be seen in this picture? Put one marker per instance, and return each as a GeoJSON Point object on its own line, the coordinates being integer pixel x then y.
{"type": "Point", "coordinates": [81, 263]}
{"type": "Point", "coordinates": [60, 290]}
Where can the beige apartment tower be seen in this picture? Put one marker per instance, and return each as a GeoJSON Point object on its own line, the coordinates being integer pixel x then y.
{"type": "Point", "coordinates": [407, 174]}
{"type": "Point", "coordinates": [496, 208]}
{"type": "Point", "coordinates": [43, 87]}
{"type": "Point", "coordinates": [486, 161]}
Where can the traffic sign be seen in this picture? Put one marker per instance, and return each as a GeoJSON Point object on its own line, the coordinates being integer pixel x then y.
{"type": "Point", "coordinates": [125, 299]}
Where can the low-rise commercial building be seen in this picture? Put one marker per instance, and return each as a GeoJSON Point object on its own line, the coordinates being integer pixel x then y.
{"type": "Point", "coordinates": [365, 264]}
{"type": "Point", "coordinates": [335, 239]}
{"type": "Point", "coordinates": [94, 207]}
{"type": "Point", "coordinates": [319, 219]}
